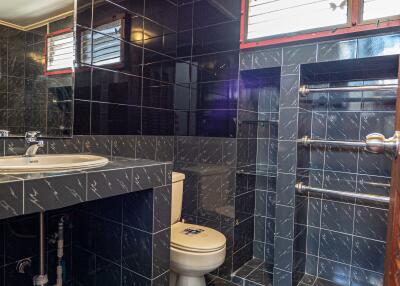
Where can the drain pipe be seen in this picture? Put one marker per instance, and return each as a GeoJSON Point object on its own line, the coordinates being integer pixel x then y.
{"type": "Point", "coordinates": [41, 279]}
{"type": "Point", "coordinates": [60, 252]}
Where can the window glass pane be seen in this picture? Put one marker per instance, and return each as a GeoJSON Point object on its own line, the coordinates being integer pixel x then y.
{"type": "Point", "coordinates": [106, 45]}
{"type": "Point", "coordinates": [276, 17]}
{"type": "Point", "coordinates": [60, 52]}
{"type": "Point", "coordinates": [375, 9]}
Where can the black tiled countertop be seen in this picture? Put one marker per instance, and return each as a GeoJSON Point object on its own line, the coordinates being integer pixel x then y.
{"type": "Point", "coordinates": [29, 193]}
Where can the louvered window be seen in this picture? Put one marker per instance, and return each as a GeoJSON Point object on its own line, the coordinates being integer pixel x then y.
{"type": "Point", "coordinates": [378, 9]}
{"type": "Point", "coordinates": [104, 46]}
{"type": "Point", "coordinates": [60, 51]}
{"type": "Point", "coordinates": [268, 18]}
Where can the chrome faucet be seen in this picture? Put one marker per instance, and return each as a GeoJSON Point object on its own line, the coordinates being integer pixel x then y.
{"type": "Point", "coordinates": [33, 143]}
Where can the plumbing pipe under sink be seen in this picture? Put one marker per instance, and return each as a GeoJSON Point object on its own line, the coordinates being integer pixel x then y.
{"type": "Point", "coordinates": [60, 252]}
{"type": "Point", "coordinates": [41, 279]}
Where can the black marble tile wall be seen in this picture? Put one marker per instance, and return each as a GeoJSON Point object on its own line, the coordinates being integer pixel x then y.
{"type": "Point", "coordinates": [207, 68]}
{"type": "Point", "coordinates": [257, 154]}
{"type": "Point", "coordinates": [158, 148]}
{"type": "Point", "coordinates": [209, 165]}
{"type": "Point", "coordinates": [125, 244]}
{"type": "Point", "coordinates": [30, 99]}
{"type": "Point", "coordinates": [178, 71]}
{"type": "Point", "coordinates": [133, 95]}
{"type": "Point", "coordinates": [344, 233]}
{"type": "Point", "coordinates": [304, 220]}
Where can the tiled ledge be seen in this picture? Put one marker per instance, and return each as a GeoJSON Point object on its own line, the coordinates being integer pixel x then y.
{"type": "Point", "coordinates": [30, 193]}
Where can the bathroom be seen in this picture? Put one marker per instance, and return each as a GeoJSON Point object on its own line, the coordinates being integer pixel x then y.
{"type": "Point", "coordinates": [199, 142]}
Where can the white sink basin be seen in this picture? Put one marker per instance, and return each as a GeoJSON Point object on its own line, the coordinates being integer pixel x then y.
{"type": "Point", "coordinates": [49, 163]}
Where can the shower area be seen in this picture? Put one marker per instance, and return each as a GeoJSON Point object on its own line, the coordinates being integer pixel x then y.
{"type": "Point", "coordinates": [342, 184]}
{"type": "Point", "coordinates": [321, 189]}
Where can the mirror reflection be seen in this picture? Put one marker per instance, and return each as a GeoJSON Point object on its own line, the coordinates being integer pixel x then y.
{"type": "Point", "coordinates": [36, 67]}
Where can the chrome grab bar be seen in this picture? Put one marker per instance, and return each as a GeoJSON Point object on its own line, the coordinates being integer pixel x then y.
{"type": "Point", "coordinates": [375, 198]}
{"type": "Point", "coordinates": [374, 143]}
{"type": "Point", "coordinates": [304, 90]}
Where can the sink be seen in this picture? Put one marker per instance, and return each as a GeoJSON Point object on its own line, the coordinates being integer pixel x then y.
{"type": "Point", "coordinates": [49, 163]}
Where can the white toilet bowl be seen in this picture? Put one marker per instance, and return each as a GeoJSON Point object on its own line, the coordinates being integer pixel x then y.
{"type": "Point", "coordinates": [195, 251]}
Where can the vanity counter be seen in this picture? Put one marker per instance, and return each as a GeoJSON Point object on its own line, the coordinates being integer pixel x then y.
{"type": "Point", "coordinates": [29, 193]}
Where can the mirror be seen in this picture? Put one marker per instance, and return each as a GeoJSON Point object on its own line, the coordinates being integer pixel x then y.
{"type": "Point", "coordinates": [36, 67]}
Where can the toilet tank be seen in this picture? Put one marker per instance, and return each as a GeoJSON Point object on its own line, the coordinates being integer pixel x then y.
{"type": "Point", "coordinates": [177, 196]}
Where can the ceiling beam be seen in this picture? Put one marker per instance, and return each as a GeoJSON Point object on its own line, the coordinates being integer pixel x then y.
{"type": "Point", "coordinates": [37, 24]}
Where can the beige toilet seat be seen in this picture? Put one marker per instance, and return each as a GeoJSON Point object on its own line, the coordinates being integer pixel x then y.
{"type": "Point", "coordinates": [196, 238]}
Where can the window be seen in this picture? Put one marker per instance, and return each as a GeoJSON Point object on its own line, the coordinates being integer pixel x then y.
{"type": "Point", "coordinates": [60, 51]}
{"type": "Point", "coordinates": [107, 46]}
{"type": "Point", "coordinates": [376, 9]}
{"type": "Point", "coordinates": [273, 22]}
{"type": "Point", "coordinates": [268, 18]}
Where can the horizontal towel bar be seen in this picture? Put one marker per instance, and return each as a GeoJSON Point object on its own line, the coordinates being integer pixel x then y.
{"type": "Point", "coordinates": [375, 198]}
{"type": "Point", "coordinates": [374, 143]}
{"type": "Point", "coordinates": [304, 90]}
{"type": "Point", "coordinates": [333, 143]}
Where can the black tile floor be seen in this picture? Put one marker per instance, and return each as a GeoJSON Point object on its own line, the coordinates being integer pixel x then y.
{"type": "Point", "coordinates": [254, 273]}
{"type": "Point", "coordinates": [259, 273]}
{"type": "Point", "coordinates": [309, 280]}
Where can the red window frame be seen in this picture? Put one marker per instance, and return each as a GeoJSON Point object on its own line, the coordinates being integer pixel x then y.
{"type": "Point", "coordinates": [355, 25]}
{"type": "Point", "coordinates": [55, 72]}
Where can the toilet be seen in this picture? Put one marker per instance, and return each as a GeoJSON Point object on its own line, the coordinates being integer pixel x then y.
{"type": "Point", "coordinates": [195, 250]}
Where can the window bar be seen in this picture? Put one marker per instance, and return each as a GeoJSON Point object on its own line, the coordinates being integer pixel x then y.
{"type": "Point", "coordinates": [304, 90]}
{"type": "Point", "coordinates": [375, 198]}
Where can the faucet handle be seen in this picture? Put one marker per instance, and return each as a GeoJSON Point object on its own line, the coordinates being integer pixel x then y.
{"type": "Point", "coordinates": [4, 133]}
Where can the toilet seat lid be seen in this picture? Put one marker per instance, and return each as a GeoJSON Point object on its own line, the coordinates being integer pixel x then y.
{"type": "Point", "coordinates": [196, 238]}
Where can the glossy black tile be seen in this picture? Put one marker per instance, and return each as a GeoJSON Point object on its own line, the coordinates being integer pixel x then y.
{"type": "Point", "coordinates": [335, 246]}
{"type": "Point", "coordinates": [207, 14]}
{"type": "Point", "coordinates": [338, 50]}
{"type": "Point", "coordinates": [108, 86]}
{"type": "Point", "coordinates": [368, 254]}
{"type": "Point", "coordinates": [135, 6]}
{"type": "Point", "coordinates": [12, 192]}
{"type": "Point", "coordinates": [217, 38]}
{"type": "Point", "coordinates": [370, 222]}
{"type": "Point", "coordinates": [337, 216]}
{"type": "Point", "coordinates": [108, 244]}
{"type": "Point", "coordinates": [334, 271]}
{"type": "Point", "coordinates": [284, 222]}
{"type": "Point", "coordinates": [82, 111]}
{"type": "Point", "coordinates": [364, 277]}
{"type": "Point", "coordinates": [103, 184]}
{"type": "Point", "coordinates": [214, 67]}
{"type": "Point", "coordinates": [164, 12]}
{"type": "Point", "coordinates": [157, 122]}
{"type": "Point", "coordinates": [20, 246]}
{"type": "Point", "coordinates": [54, 192]}
{"type": "Point", "coordinates": [283, 254]}
{"type": "Point", "coordinates": [378, 46]}
{"type": "Point", "coordinates": [267, 59]}
{"type": "Point", "coordinates": [136, 245]}
{"type": "Point", "coordinates": [215, 95]}
{"type": "Point", "coordinates": [107, 273]}
{"type": "Point", "coordinates": [110, 119]}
